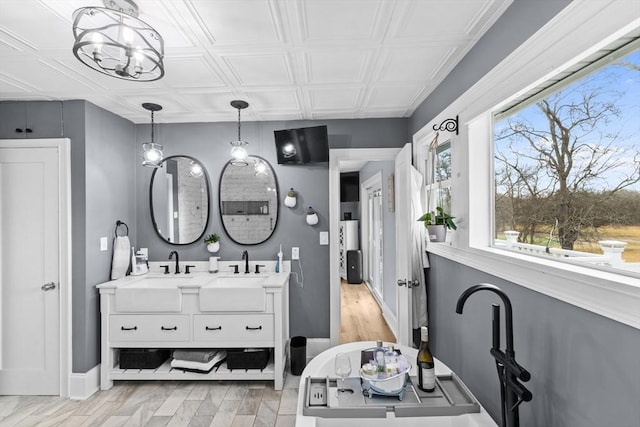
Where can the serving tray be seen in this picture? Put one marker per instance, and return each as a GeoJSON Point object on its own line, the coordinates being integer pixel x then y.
{"type": "Point", "coordinates": [451, 397]}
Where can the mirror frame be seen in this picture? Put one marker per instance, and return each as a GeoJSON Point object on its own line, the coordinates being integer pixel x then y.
{"type": "Point", "coordinates": [275, 225]}
{"type": "Point", "coordinates": [205, 174]}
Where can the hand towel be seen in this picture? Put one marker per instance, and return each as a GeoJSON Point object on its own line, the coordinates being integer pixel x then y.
{"type": "Point", "coordinates": [200, 367]}
{"type": "Point", "coordinates": [202, 356]}
{"type": "Point", "coordinates": [121, 257]}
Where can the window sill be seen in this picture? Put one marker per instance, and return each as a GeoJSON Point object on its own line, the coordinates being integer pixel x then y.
{"type": "Point", "coordinates": [611, 295]}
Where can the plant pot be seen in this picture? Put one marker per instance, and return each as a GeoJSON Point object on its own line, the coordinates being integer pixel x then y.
{"type": "Point", "coordinates": [437, 233]}
{"type": "Point", "coordinates": [213, 247]}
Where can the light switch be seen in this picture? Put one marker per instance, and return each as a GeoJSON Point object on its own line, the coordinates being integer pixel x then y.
{"type": "Point", "coordinates": [103, 244]}
{"type": "Point", "coordinates": [324, 237]}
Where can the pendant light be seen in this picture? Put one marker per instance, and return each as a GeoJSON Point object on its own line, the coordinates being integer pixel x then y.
{"type": "Point", "coordinates": [238, 153]}
{"type": "Point", "coordinates": [113, 41]}
{"type": "Point", "coordinates": [152, 152]}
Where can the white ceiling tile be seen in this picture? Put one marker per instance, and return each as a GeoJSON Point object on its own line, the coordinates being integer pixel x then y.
{"type": "Point", "coordinates": [341, 20]}
{"type": "Point", "coordinates": [237, 21]}
{"type": "Point", "coordinates": [392, 96]}
{"type": "Point", "coordinates": [337, 66]}
{"type": "Point", "coordinates": [194, 71]}
{"type": "Point", "coordinates": [256, 69]}
{"type": "Point", "coordinates": [415, 63]}
{"type": "Point", "coordinates": [274, 100]}
{"type": "Point", "coordinates": [334, 98]}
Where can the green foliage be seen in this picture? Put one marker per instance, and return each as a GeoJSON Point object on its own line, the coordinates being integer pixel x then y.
{"type": "Point", "coordinates": [439, 218]}
{"type": "Point", "coordinates": [211, 238]}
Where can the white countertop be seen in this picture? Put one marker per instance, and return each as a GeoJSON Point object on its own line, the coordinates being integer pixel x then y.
{"type": "Point", "coordinates": [323, 365]}
{"type": "Point", "coordinates": [199, 276]}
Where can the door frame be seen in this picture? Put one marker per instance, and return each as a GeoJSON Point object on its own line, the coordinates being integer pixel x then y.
{"type": "Point", "coordinates": [337, 159]}
{"type": "Point", "coordinates": [64, 248]}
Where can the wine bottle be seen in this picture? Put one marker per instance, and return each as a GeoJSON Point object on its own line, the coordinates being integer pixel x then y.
{"type": "Point", "coordinates": [426, 371]}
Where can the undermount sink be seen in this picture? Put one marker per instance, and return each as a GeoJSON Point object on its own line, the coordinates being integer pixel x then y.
{"type": "Point", "coordinates": [233, 293]}
{"type": "Point", "coordinates": [150, 294]}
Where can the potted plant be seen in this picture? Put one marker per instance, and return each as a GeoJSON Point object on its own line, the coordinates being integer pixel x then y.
{"type": "Point", "coordinates": [213, 243]}
{"type": "Point", "coordinates": [437, 224]}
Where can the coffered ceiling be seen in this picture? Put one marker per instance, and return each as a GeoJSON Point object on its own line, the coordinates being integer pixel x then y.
{"type": "Point", "coordinates": [290, 59]}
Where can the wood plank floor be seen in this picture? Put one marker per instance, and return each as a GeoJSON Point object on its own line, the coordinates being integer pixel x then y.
{"type": "Point", "coordinates": [162, 403]}
{"type": "Point", "coordinates": [360, 316]}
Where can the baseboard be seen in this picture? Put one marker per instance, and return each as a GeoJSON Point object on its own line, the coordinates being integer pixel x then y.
{"type": "Point", "coordinates": [390, 318]}
{"type": "Point", "coordinates": [81, 386]}
{"type": "Point", "coordinates": [315, 346]}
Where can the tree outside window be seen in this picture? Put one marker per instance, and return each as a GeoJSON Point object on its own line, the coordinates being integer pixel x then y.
{"type": "Point", "coordinates": [567, 166]}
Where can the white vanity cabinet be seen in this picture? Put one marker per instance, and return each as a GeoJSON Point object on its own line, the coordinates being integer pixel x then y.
{"type": "Point", "coordinates": [193, 328]}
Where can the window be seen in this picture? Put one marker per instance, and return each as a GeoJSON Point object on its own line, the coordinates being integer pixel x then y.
{"type": "Point", "coordinates": [567, 167]}
{"type": "Point", "coordinates": [438, 169]}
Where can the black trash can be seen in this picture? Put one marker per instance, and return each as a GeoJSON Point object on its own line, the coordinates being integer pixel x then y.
{"type": "Point", "coordinates": [298, 354]}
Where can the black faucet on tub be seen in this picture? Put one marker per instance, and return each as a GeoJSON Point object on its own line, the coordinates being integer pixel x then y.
{"type": "Point", "coordinates": [171, 254]}
{"type": "Point", "coordinates": [245, 257]}
{"type": "Point", "coordinates": [512, 393]}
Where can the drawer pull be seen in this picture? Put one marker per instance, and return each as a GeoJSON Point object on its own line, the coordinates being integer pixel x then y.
{"type": "Point", "coordinates": [217, 328]}
{"type": "Point", "coordinates": [135, 328]}
{"type": "Point", "coordinates": [249, 328]}
{"type": "Point", "coordinates": [175, 328]}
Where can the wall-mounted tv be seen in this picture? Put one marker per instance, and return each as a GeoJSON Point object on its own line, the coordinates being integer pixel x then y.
{"type": "Point", "coordinates": [302, 145]}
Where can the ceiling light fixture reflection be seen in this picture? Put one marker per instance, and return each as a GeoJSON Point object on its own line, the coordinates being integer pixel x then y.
{"type": "Point", "coordinates": [261, 168]}
{"type": "Point", "coordinates": [238, 153]}
{"type": "Point", "coordinates": [288, 150]}
{"type": "Point", "coordinates": [113, 41]}
{"type": "Point", "coordinates": [152, 152]}
{"type": "Point", "coordinates": [195, 169]}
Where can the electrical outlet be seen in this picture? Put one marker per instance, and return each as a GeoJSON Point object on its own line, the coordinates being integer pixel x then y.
{"type": "Point", "coordinates": [295, 253]}
{"type": "Point", "coordinates": [318, 395]}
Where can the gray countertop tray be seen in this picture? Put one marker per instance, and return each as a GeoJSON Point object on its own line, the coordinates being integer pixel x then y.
{"type": "Point", "coordinates": [450, 398]}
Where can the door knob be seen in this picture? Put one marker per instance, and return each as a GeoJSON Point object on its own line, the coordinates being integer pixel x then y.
{"type": "Point", "coordinates": [48, 286]}
{"type": "Point", "coordinates": [402, 282]}
{"type": "Point", "coordinates": [414, 283]}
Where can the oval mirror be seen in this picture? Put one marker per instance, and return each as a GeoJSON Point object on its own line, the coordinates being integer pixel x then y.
{"type": "Point", "coordinates": [179, 200]}
{"type": "Point", "coordinates": [249, 200]}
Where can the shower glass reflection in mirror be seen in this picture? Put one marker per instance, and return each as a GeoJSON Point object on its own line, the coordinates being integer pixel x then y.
{"type": "Point", "coordinates": [179, 199]}
{"type": "Point", "coordinates": [249, 201]}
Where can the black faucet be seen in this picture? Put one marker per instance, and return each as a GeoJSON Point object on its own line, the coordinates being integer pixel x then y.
{"type": "Point", "coordinates": [512, 393]}
{"type": "Point", "coordinates": [245, 257]}
{"type": "Point", "coordinates": [171, 254]}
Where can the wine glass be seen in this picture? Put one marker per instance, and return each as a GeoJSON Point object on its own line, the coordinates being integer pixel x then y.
{"type": "Point", "coordinates": [343, 369]}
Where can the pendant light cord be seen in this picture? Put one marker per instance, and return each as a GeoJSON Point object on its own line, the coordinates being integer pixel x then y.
{"type": "Point", "coordinates": [239, 125]}
{"type": "Point", "coordinates": [152, 112]}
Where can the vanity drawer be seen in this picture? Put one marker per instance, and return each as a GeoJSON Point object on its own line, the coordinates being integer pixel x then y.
{"type": "Point", "coordinates": [149, 327]}
{"type": "Point", "coordinates": [234, 328]}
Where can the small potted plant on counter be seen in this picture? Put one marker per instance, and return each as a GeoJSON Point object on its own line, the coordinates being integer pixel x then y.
{"type": "Point", "coordinates": [437, 224]}
{"type": "Point", "coordinates": [213, 243]}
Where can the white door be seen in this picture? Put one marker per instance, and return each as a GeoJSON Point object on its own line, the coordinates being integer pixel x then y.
{"type": "Point", "coordinates": [404, 243]}
{"type": "Point", "coordinates": [29, 271]}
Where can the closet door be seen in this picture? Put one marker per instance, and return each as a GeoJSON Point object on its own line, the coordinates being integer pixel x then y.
{"type": "Point", "coordinates": [29, 271]}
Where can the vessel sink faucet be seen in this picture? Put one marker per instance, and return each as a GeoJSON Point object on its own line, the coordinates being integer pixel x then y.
{"type": "Point", "coordinates": [512, 393]}
{"type": "Point", "coordinates": [245, 257]}
{"type": "Point", "coordinates": [171, 254]}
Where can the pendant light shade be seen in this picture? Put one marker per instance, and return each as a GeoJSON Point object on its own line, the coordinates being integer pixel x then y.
{"type": "Point", "coordinates": [113, 41]}
{"type": "Point", "coordinates": [152, 152]}
{"type": "Point", "coordinates": [238, 152]}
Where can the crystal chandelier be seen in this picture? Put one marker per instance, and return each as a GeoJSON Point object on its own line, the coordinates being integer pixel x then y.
{"type": "Point", "coordinates": [113, 41]}
{"type": "Point", "coordinates": [151, 152]}
{"type": "Point", "coordinates": [238, 153]}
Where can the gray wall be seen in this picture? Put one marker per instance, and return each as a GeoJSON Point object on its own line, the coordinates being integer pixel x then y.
{"type": "Point", "coordinates": [389, 230]}
{"type": "Point", "coordinates": [584, 367]}
{"type": "Point", "coordinates": [209, 143]}
{"type": "Point", "coordinates": [102, 173]}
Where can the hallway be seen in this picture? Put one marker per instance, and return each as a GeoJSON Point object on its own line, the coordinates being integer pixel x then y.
{"type": "Point", "coordinates": [360, 316]}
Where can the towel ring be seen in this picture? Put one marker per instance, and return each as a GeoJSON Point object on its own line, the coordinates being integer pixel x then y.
{"type": "Point", "coordinates": [118, 224]}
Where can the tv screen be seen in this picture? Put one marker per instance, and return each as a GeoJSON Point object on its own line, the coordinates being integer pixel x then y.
{"type": "Point", "coordinates": [302, 145]}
